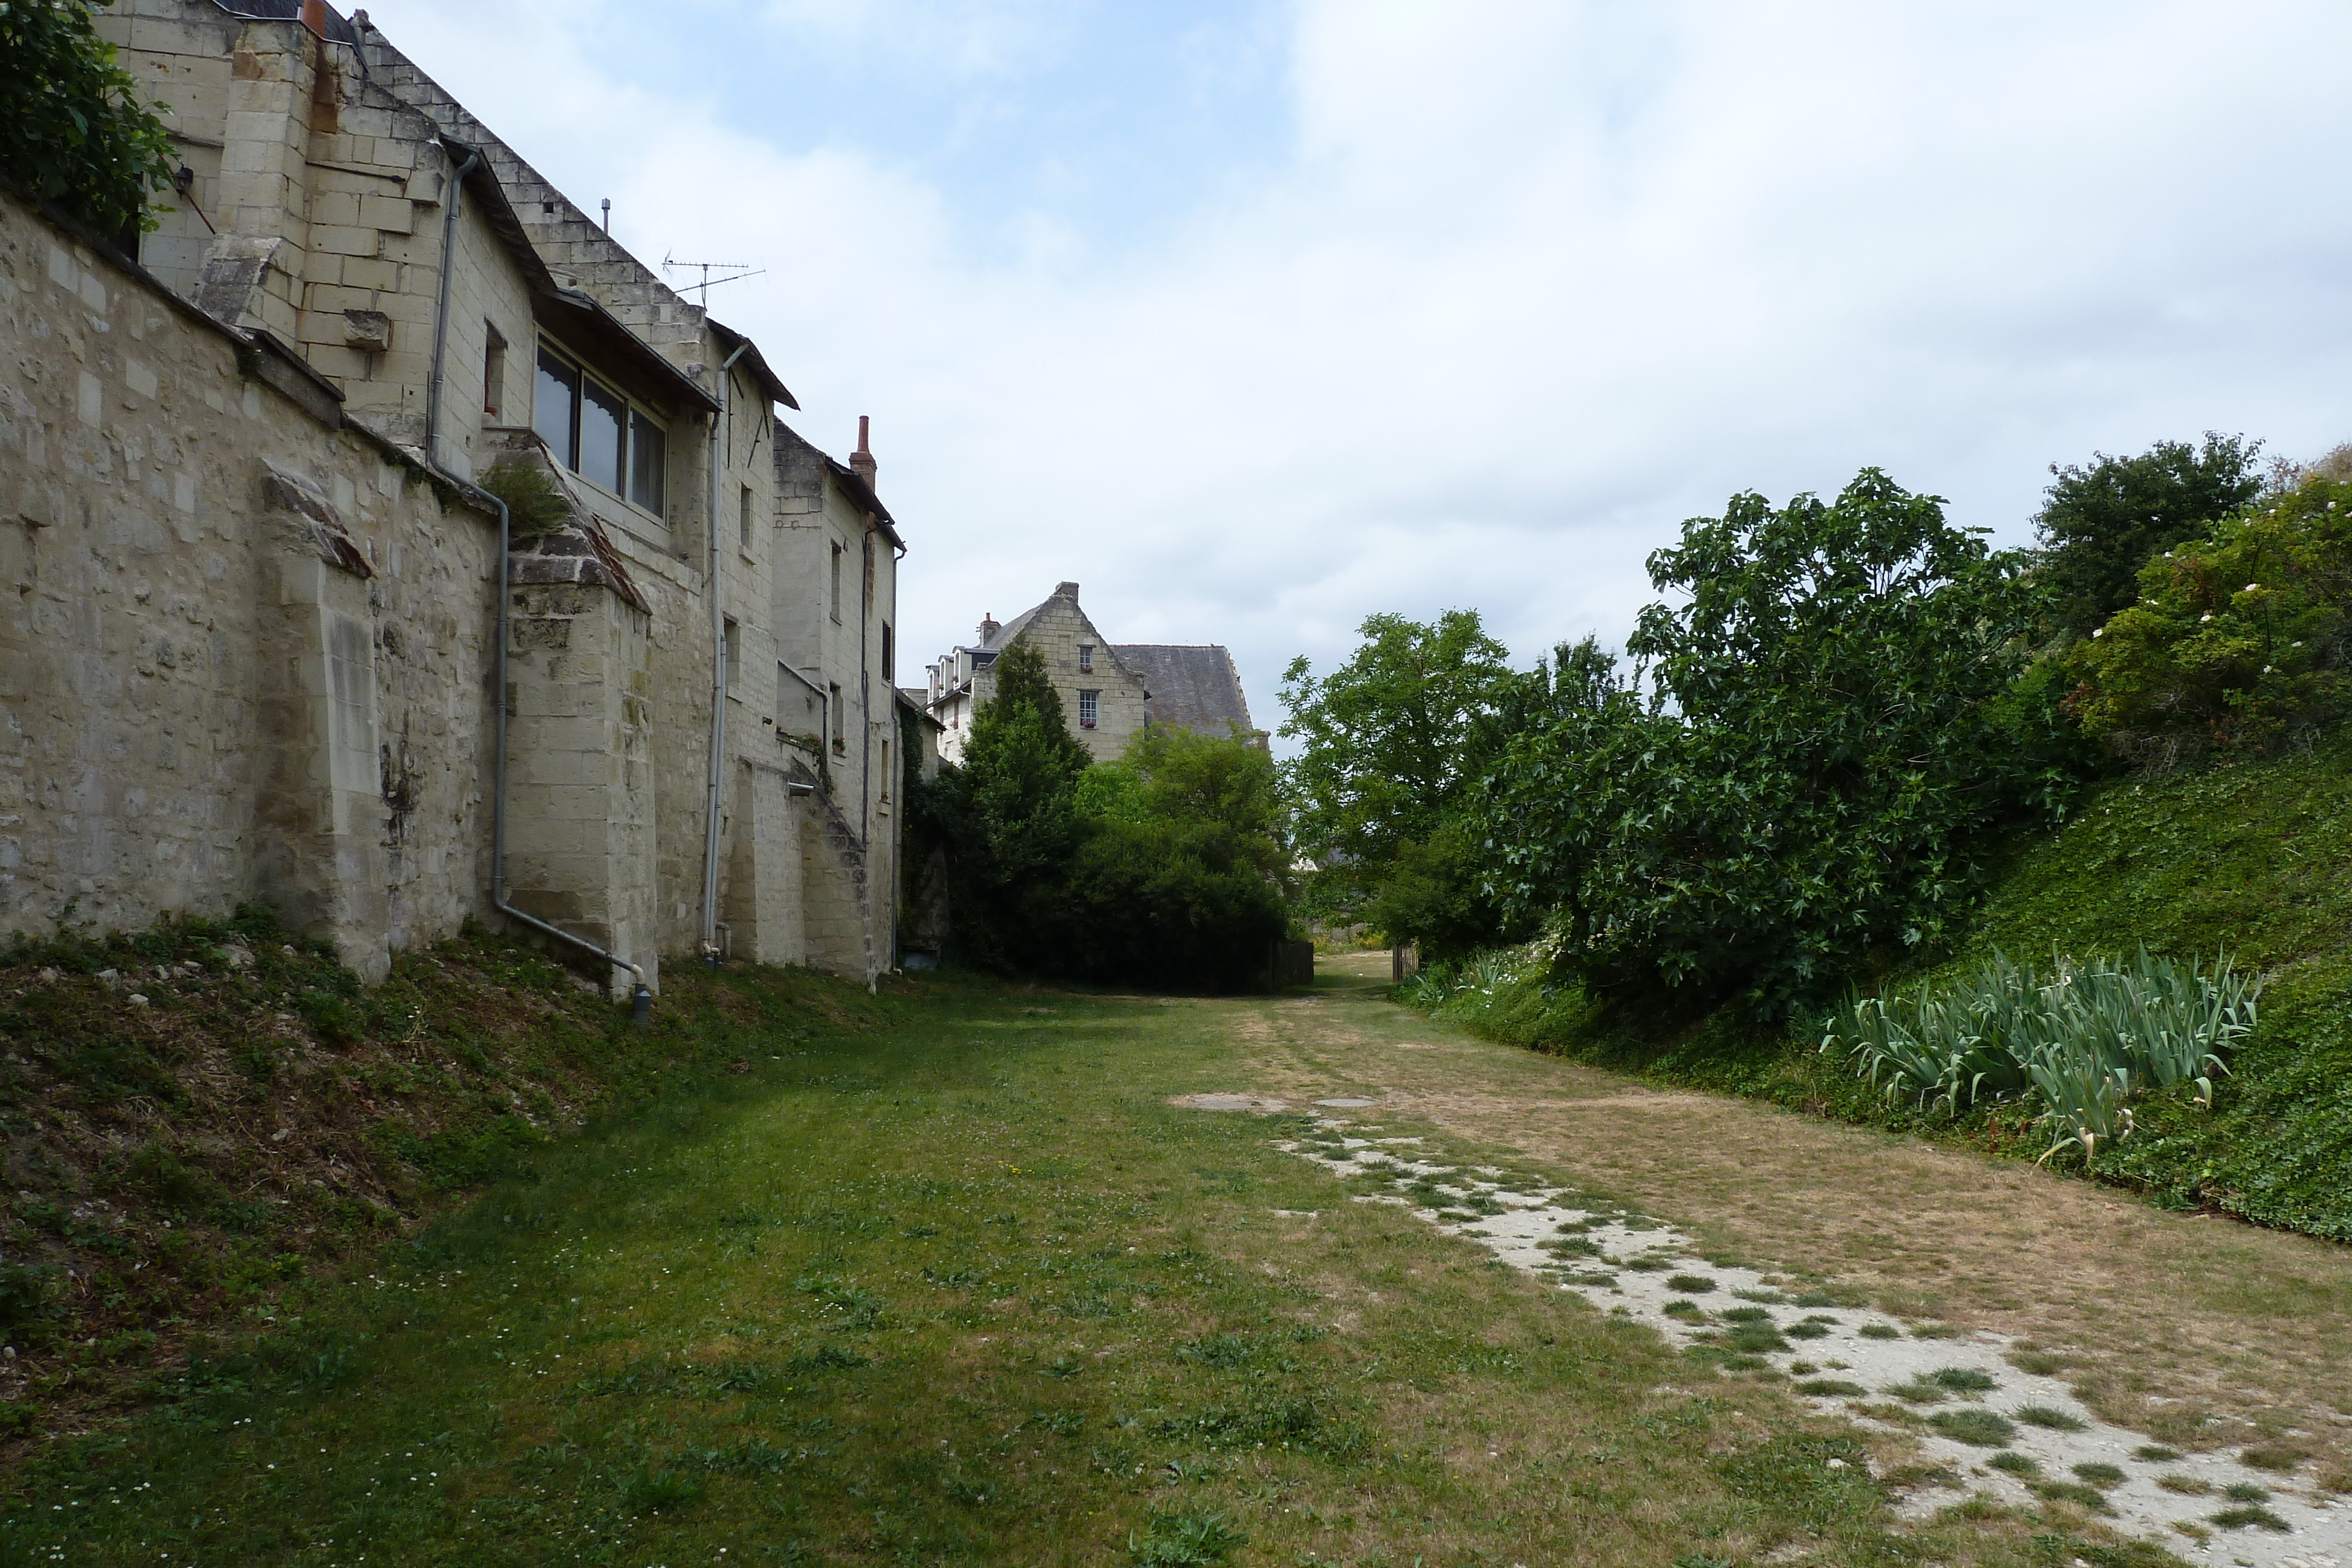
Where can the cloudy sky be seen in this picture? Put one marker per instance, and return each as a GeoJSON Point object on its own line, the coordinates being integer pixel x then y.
{"type": "Point", "coordinates": [1257, 318]}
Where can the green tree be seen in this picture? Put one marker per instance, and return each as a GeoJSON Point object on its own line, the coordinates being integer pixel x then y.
{"type": "Point", "coordinates": [1392, 746]}
{"type": "Point", "coordinates": [2100, 523]}
{"type": "Point", "coordinates": [1578, 739]}
{"type": "Point", "coordinates": [2239, 642]}
{"type": "Point", "coordinates": [1818, 747]}
{"type": "Point", "coordinates": [73, 132]}
{"type": "Point", "coordinates": [1016, 826]}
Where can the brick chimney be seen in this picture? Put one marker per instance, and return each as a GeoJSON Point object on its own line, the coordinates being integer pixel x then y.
{"type": "Point", "coordinates": [861, 461]}
{"type": "Point", "coordinates": [988, 628]}
{"type": "Point", "coordinates": [1068, 590]}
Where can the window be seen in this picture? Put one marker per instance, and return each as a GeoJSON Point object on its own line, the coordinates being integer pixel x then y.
{"type": "Point", "coordinates": [597, 434]}
{"type": "Point", "coordinates": [1085, 658]}
{"type": "Point", "coordinates": [648, 455]}
{"type": "Point", "coordinates": [836, 581]}
{"type": "Point", "coordinates": [494, 370]}
{"type": "Point", "coordinates": [889, 656]}
{"type": "Point", "coordinates": [743, 521]}
{"type": "Point", "coordinates": [1088, 702]}
{"type": "Point", "coordinates": [734, 655]}
{"type": "Point", "coordinates": [885, 770]}
{"type": "Point", "coordinates": [833, 706]}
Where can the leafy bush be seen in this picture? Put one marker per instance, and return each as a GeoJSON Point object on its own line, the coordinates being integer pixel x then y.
{"type": "Point", "coordinates": [72, 130]}
{"type": "Point", "coordinates": [1163, 868]}
{"type": "Point", "coordinates": [1817, 750]}
{"type": "Point", "coordinates": [2084, 1040]}
{"type": "Point", "coordinates": [2237, 642]}
{"type": "Point", "coordinates": [2100, 523]}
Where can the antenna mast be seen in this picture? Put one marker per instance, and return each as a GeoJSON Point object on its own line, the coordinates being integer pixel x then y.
{"type": "Point", "coordinates": [741, 269]}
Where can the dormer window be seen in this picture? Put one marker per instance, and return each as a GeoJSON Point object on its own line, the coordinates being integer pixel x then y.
{"type": "Point", "coordinates": [1085, 658]}
{"type": "Point", "coordinates": [597, 432]}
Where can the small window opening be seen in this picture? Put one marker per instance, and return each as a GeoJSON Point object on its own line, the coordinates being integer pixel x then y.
{"type": "Point", "coordinates": [734, 655]}
{"type": "Point", "coordinates": [1085, 658]}
{"type": "Point", "coordinates": [494, 372]}
{"type": "Point", "coordinates": [1089, 704]}
{"type": "Point", "coordinates": [833, 706]}
{"type": "Point", "coordinates": [889, 656]}
{"type": "Point", "coordinates": [744, 520]}
{"type": "Point", "coordinates": [836, 581]}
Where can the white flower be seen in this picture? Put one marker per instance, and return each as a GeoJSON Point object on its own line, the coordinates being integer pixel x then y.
{"type": "Point", "coordinates": [2098, 630]}
{"type": "Point", "coordinates": [2251, 586]}
{"type": "Point", "coordinates": [2207, 616]}
{"type": "Point", "coordinates": [2266, 669]}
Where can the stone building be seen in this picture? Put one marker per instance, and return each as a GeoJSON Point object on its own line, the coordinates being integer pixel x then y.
{"type": "Point", "coordinates": [254, 647]}
{"type": "Point", "coordinates": [1110, 692]}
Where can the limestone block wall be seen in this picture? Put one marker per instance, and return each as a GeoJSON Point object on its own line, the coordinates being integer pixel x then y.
{"type": "Point", "coordinates": [244, 653]}
{"type": "Point", "coordinates": [581, 829]}
{"type": "Point", "coordinates": [1058, 629]}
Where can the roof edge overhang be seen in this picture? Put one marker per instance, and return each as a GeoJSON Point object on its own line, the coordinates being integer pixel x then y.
{"type": "Point", "coordinates": [769, 382]}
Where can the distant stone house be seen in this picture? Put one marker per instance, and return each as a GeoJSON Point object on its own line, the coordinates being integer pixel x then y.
{"type": "Point", "coordinates": [251, 649]}
{"type": "Point", "coordinates": [1111, 692]}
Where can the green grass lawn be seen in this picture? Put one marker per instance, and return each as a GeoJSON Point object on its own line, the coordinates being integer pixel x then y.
{"type": "Point", "coordinates": [962, 1287]}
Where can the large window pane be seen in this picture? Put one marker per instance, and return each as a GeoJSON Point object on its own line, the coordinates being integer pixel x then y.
{"type": "Point", "coordinates": [554, 406]}
{"type": "Point", "coordinates": [648, 454]}
{"type": "Point", "coordinates": [603, 417]}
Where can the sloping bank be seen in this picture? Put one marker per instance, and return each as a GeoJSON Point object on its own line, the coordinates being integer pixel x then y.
{"type": "Point", "coordinates": [2254, 862]}
{"type": "Point", "coordinates": [209, 1123]}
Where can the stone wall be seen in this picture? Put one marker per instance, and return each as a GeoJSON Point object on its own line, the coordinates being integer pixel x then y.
{"type": "Point", "coordinates": [1057, 628]}
{"type": "Point", "coordinates": [244, 651]}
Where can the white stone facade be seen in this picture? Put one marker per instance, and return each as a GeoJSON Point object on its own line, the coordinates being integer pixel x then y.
{"type": "Point", "coordinates": [250, 652]}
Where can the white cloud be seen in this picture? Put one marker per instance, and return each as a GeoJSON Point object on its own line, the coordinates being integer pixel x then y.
{"type": "Point", "coordinates": [1528, 285]}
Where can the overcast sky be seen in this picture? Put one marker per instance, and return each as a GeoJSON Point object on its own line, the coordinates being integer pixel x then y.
{"type": "Point", "coordinates": [1258, 318]}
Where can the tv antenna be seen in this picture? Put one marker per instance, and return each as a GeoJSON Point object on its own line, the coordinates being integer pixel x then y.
{"type": "Point", "coordinates": [740, 271]}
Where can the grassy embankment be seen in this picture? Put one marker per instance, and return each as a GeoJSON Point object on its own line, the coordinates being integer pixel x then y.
{"type": "Point", "coordinates": [939, 1277]}
{"type": "Point", "coordinates": [2254, 862]}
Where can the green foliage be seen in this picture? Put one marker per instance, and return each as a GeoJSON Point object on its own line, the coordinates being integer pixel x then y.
{"type": "Point", "coordinates": [2253, 860]}
{"type": "Point", "coordinates": [535, 502]}
{"type": "Point", "coordinates": [2238, 643]}
{"type": "Point", "coordinates": [1015, 819]}
{"type": "Point", "coordinates": [2084, 1039]}
{"type": "Point", "coordinates": [1811, 773]}
{"type": "Point", "coordinates": [2100, 523]}
{"type": "Point", "coordinates": [73, 132]}
{"type": "Point", "coordinates": [1164, 868]}
{"type": "Point", "coordinates": [1393, 745]}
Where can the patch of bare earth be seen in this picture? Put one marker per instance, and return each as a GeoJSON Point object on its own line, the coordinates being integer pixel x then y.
{"type": "Point", "coordinates": [2201, 1331]}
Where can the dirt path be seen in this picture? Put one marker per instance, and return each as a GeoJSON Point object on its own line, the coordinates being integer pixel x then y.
{"type": "Point", "coordinates": [2203, 1333]}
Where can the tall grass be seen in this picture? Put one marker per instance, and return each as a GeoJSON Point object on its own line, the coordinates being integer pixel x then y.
{"type": "Point", "coordinates": [2086, 1040]}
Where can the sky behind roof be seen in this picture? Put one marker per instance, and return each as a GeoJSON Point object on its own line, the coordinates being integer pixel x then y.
{"type": "Point", "coordinates": [1258, 318]}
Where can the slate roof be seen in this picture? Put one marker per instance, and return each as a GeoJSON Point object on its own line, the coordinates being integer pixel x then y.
{"type": "Point", "coordinates": [1192, 685]}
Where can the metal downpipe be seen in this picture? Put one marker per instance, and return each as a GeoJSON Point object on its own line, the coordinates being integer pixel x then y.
{"type": "Point", "coordinates": [441, 311]}
{"type": "Point", "coordinates": [720, 430]}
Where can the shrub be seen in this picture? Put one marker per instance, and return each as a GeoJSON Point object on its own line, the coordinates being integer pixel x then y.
{"type": "Point", "coordinates": [1816, 751]}
{"type": "Point", "coordinates": [2100, 523]}
{"type": "Point", "coordinates": [2084, 1040]}
{"type": "Point", "coordinates": [2237, 642]}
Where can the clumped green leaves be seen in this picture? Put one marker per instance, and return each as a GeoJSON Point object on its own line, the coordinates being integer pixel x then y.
{"type": "Point", "coordinates": [2083, 1040]}
{"type": "Point", "coordinates": [2237, 642]}
{"type": "Point", "coordinates": [73, 130]}
{"type": "Point", "coordinates": [1163, 868]}
{"type": "Point", "coordinates": [1816, 752]}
